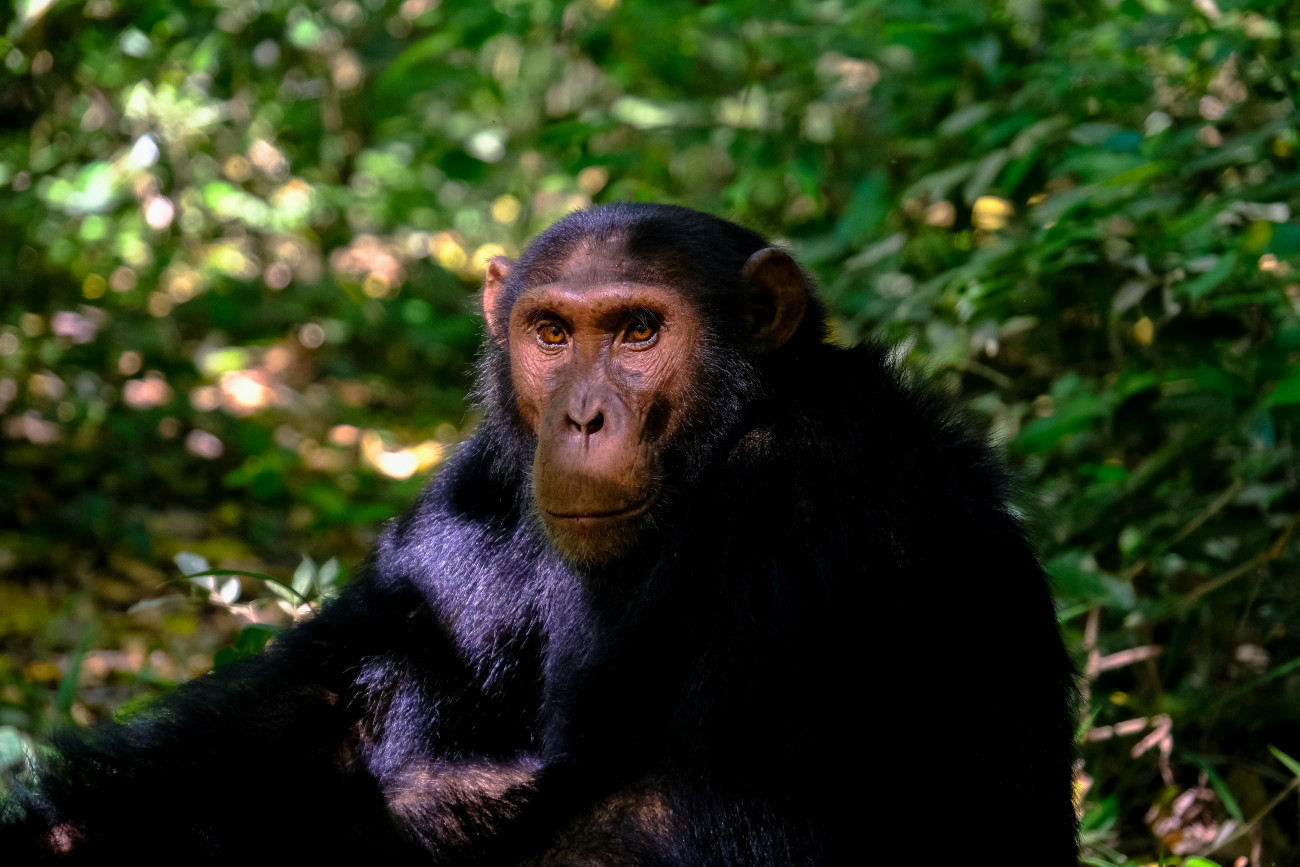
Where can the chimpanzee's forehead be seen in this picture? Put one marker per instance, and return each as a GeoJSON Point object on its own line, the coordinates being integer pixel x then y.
{"type": "Point", "coordinates": [590, 260]}
{"type": "Point", "coordinates": [614, 259]}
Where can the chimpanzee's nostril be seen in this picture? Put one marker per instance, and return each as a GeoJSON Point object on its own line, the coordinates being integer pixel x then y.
{"type": "Point", "coordinates": [586, 428]}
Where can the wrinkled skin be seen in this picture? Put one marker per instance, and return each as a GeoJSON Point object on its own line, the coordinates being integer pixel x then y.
{"type": "Point", "coordinates": [603, 371]}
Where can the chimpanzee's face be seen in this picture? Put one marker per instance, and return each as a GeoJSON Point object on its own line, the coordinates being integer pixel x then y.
{"type": "Point", "coordinates": [602, 373]}
{"type": "Point", "coordinates": [605, 372]}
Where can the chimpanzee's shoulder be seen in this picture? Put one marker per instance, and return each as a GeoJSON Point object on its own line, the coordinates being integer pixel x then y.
{"type": "Point", "coordinates": [862, 413]}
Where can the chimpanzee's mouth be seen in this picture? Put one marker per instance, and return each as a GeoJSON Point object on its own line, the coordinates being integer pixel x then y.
{"type": "Point", "coordinates": [631, 511]}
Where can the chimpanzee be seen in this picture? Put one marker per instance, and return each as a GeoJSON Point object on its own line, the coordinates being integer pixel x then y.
{"type": "Point", "coordinates": [703, 589]}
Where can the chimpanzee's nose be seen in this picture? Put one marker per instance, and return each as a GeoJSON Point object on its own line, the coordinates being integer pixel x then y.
{"type": "Point", "coordinates": [585, 420]}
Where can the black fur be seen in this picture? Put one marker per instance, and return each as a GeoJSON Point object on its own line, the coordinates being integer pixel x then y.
{"type": "Point", "coordinates": [836, 645]}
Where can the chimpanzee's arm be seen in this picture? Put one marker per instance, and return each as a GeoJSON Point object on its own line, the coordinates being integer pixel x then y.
{"type": "Point", "coordinates": [265, 757]}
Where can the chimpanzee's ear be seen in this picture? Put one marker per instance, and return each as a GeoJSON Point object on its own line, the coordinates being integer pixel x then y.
{"type": "Point", "coordinates": [778, 298]}
{"type": "Point", "coordinates": [498, 269]}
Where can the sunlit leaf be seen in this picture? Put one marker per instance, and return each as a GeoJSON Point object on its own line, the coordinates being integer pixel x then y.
{"type": "Point", "coordinates": [328, 572]}
{"type": "Point", "coordinates": [229, 591]}
{"type": "Point", "coordinates": [304, 576]}
{"type": "Point", "coordinates": [190, 563]}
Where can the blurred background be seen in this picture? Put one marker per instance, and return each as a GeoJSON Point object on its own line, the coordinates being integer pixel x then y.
{"type": "Point", "coordinates": [240, 242]}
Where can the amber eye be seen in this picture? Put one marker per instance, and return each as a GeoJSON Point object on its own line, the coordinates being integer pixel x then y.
{"type": "Point", "coordinates": [551, 334]}
{"type": "Point", "coordinates": [641, 331]}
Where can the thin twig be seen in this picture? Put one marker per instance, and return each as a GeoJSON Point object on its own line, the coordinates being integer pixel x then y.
{"type": "Point", "coordinates": [1258, 817]}
{"type": "Point", "coordinates": [1280, 545]}
{"type": "Point", "coordinates": [997, 377]}
{"type": "Point", "coordinates": [1091, 628]}
{"type": "Point", "coordinates": [1121, 658]}
{"type": "Point", "coordinates": [1273, 552]}
{"type": "Point", "coordinates": [1189, 528]}
{"type": "Point", "coordinates": [1226, 578]}
{"type": "Point", "coordinates": [1210, 511]}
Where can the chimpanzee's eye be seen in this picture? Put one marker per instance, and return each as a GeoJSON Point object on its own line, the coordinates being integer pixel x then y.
{"type": "Point", "coordinates": [644, 327]}
{"type": "Point", "coordinates": [551, 334]}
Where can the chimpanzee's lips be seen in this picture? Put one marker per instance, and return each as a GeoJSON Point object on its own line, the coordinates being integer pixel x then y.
{"type": "Point", "coordinates": [631, 511]}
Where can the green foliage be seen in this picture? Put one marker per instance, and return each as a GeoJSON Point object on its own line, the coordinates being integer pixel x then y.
{"type": "Point", "coordinates": [239, 244]}
{"type": "Point", "coordinates": [250, 641]}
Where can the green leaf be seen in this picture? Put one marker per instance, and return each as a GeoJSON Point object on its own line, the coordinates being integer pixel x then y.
{"type": "Point", "coordinates": [1220, 787]}
{"type": "Point", "coordinates": [1211, 279]}
{"type": "Point", "coordinates": [250, 641]}
{"type": "Point", "coordinates": [304, 576]}
{"type": "Point", "coordinates": [328, 573]}
{"type": "Point", "coordinates": [1291, 764]}
{"type": "Point", "coordinates": [284, 591]}
{"type": "Point", "coordinates": [939, 184]}
{"type": "Point", "coordinates": [865, 211]}
{"type": "Point", "coordinates": [1089, 587]}
{"type": "Point", "coordinates": [964, 118]}
{"type": "Point", "coordinates": [1285, 240]}
{"type": "Point", "coordinates": [1287, 391]}
{"type": "Point", "coordinates": [1140, 174]}
{"type": "Point", "coordinates": [986, 172]}
{"type": "Point", "coordinates": [1094, 133]}
{"type": "Point", "coordinates": [1251, 685]}
{"type": "Point", "coordinates": [1079, 414]}
{"type": "Point", "coordinates": [72, 668]}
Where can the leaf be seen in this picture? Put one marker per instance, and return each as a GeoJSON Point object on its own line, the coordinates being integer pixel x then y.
{"type": "Point", "coordinates": [157, 602]}
{"type": "Point", "coordinates": [1251, 685]}
{"type": "Point", "coordinates": [304, 576]}
{"type": "Point", "coordinates": [1040, 132]}
{"type": "Point", "coordinates": [938, 184]}
{"type": "Point", "coordinates": [985, 53]}
{"type": "Point", "coordinates": [1133, 382]}
{"type": "Point", "coordinates": [72, 668]}
{"type": "Point", "coordinates": [1130, 295]}
{"type": "Point", "coordinates": [1220, 787]}
{"type": "Point", "coordinates": [191, 564]}
{"type": "Point", "coordinates": [1291, 764]}
{"type": "Point", "coordinates": [1139, 174]}
{"type": "Point", "coordinates": [328, 573]}
{"type": "Point", "coordinates": [986, 172]}
{"type": "Point", "coordinates": [95, 189]}
{"type": "Point", "coordinates": [1285, 240]}
{"type": "Point", "coordinates": [229, 591]}
{"type": "Point", "coordinates": [284, 591]}
{"type": "Point", "coordinates": [1060, 204]}
{"type": "Point", "coordinates": [250, 641]}
{"type": "Point", "coordinates": [877, 251]}
{"type": "Point", "coordinates": [1094, 133]}
{"type": "Point", "coordinates": [1287, 391]}
{"type": "Point", "coordinates": [1080, 414]}
{"type": "Point", "coordinates": [1211, 278]}
{"type": "Point", "coordinates": [420, 54]}
{"type": "Point", "coordinates": [865, 211]}
{"type": "Point", "coordinates": [964, 118]}
{"type": "Point", "coordinates": [1074, 583]}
